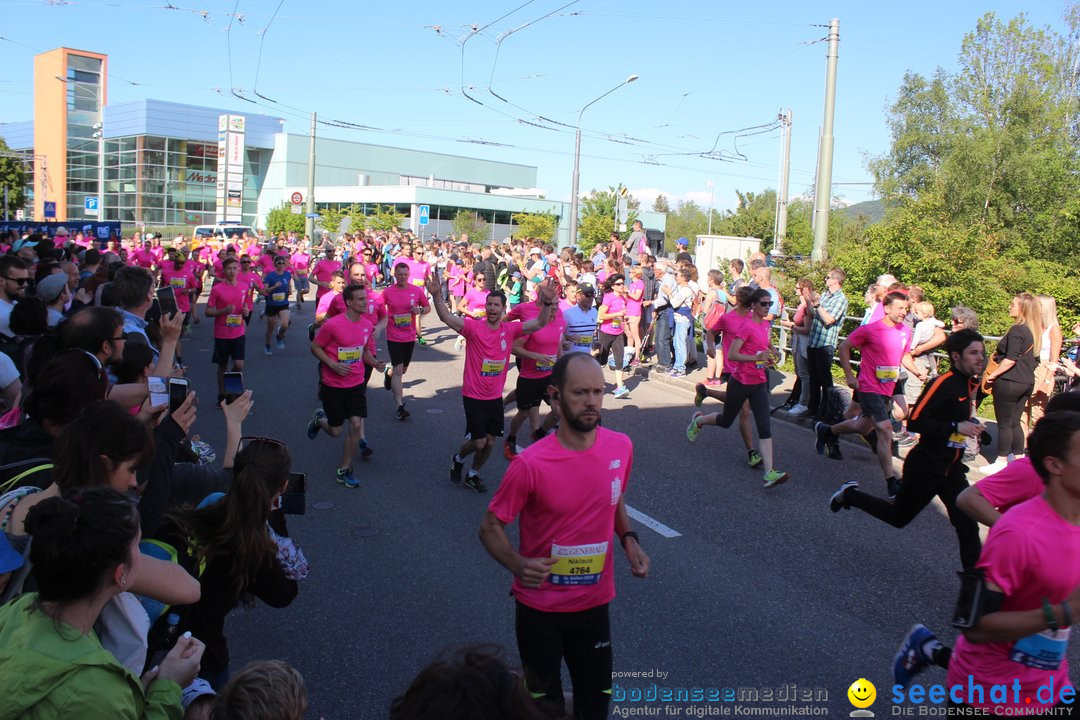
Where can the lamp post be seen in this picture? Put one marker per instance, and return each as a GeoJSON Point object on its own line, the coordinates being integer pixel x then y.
{"type": "Point", "coordinates": [577, 160]}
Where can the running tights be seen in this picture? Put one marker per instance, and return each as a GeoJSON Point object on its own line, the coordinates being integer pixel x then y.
{"type": "Point", "coordinates": [758, 395]}
{"type": "Point", "coordinates": [584, 639]}
{"type": "Point", "coordinates": [1010, 399]}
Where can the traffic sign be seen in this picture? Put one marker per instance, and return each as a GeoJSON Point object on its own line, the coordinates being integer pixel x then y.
{"type": "Point", "coordinates": [296, 198]}
{"type": "Point", "coordinates": [297, 209]}
{"type": "Point", "coordinates": [425, 214]}
{"type": "Point", "coordinates": [312, 215]}
{"type": "Point", "coordinates": [49, 208]}
{"type": "Point", "coordinates": [91, 206]}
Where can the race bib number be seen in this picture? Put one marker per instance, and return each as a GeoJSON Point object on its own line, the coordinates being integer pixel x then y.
{"type": "Point", "coordinates": [581, 340]}
{"type": "Point", "coordinates": [278, 297]}
{"type": "Point", "coordinates": [178, 282]}
{"type": "Point", "coordinates": [887, 373]}
{"type": "Point", "coordinates": [234, 320]}
{"type": "Point", "coordinates": [403, 321]}
{"type": "Point", "coordinates": [1043, 651]}
{"type": "Point", "coordinates": [616, 323]}
{"type": "Point", "coordinates": [492, 368]}
{"type": "Point", "coordinates": [418, 282]}
{"type": "Point", "coordinates": [350, 355]}
{"type": "Point", "coordinates": [577, 564]}
{"type": "Point", "coordinates": [956, 440]}
{"type": "Point", "coordinates": [545, 365]}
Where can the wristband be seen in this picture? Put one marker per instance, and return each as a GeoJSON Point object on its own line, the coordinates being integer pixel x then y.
{"type": "Point", "coordinates": [629, 534]}
{"type": "Point", "coordinates": [1048, 613]}
{"type": "Point", "coordinates": [1066, 611]}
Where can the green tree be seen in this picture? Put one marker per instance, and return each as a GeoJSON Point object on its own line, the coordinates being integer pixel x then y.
{"type": "Point", "coordinates": [687, 220]}
{"type": "Point", "coordinates": [541, 226]}
{"type": "Point", "coordinates": [330, 219]}
{"type": "Point", "coordinates": [471, 224]}
{"type": "Point", "coordinates": [598, 217]}
{"type": "Point", "coordinates": [754, 216]}
{"type": "Point", "coordinates": [382, 219]}
{"type": "Point", "coordinates": [13, 179]}
{"type": "Point", "coordinates": [660, 204]}
{"type": "Point", "coordinates": [282, 220]}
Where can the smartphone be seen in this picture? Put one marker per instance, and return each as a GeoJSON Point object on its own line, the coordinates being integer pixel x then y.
{"type": "Point", "coordinates": [234, 385]}
{"type": "Point", "coordinates": [159, 394]}
{"type": "Point", "coordinates": [293, 502]}
{"type": "Point", "coordinates": [178, 391]}
{"type": "Point", "coordinates": [166, 298]}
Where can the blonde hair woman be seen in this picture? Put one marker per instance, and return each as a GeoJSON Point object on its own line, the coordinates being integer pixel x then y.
{"type": "Point", "coordinates": [1049, 352]}
{"type": "Point", "coordinates": [1014, 378]}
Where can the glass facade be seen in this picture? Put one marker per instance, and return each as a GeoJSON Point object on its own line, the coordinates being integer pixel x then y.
{"type": "Point", "coordinates": [164, 181]}
{"type": "Point", "coordinates": [83, 132]}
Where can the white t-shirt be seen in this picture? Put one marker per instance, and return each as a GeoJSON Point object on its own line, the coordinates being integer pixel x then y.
{"type": "Point", "coordinates": [5, 316]}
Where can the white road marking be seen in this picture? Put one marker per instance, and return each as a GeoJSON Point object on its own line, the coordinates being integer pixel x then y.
{"type": "Point", "coordinates": [652, 523]}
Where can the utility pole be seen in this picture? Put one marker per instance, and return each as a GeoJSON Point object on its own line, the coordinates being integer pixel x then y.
{"type": "Point", "coordinates": [309, 221]}
{"type": "Point", "coordinates": [823, 191]}
{"type": "Point", "coordinates": [780, 233]}
{"type": "Point", "coordinates": [712, 201]}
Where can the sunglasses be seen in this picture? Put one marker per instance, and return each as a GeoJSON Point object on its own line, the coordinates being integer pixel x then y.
{"type": "Point", "coordinates": [765, 303]}
{"type": "Point", "coordinates": [617, 284]}
{"type": "Point", "coordinates": [17, 281]}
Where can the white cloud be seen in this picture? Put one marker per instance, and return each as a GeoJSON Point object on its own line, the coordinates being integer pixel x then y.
{"type": "Point", "coordinates": [702, 197]}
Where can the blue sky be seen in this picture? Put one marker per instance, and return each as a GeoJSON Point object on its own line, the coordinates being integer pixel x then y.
{"type": "Point", "coordinates": [407, 71]}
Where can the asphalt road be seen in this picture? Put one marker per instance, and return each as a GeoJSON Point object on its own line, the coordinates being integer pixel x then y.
{"type": "Point", "coordinates": [760, 589]}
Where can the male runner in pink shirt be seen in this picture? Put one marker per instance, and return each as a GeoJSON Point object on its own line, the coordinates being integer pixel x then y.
{"type": "Point", "coordinates": [487, 356]}
{"type": "Point", "coordinates": [403, 303]}
{"type": "Point", "coordinates": [568, 490]}
{"type": "Point", "coordinates": [225, 306]}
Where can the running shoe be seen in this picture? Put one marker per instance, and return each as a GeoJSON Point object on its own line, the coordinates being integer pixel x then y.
{"type": "Point", "coordinates": [510, 451]}
{"type": "Point", "coordinates": [910, 659]}
{"type": "Point", "coordinates": [693, 428]}
{"type": "Point", "coordinates": [834, 451]}
{"type": "Point", "coordinates": [838, 501]}
{"type": "Point", "coordinates": [473, 482]}
{"type": "Point", "coordinates": [421, 340]}
{"type": "Point", "coordinates": [909, 439]}
{"type": "Point", "coordinates": [822, 431]}
{"type": "Point", "coordinates": [345, 477]}
{"type": "Point", "coordinates": [365, 450]}
{"type": "Point", "coordinates": [267, 351]}
{"type": "Point", "coordinates": [798, 409]}
{"type": "Point", "coordinates": [280, 344]}
{"type": "Point", "coordinates": [774, 478]}
{"type": "Point", "coordinates": [621, 392]}
{"type": "Point", "coordinates": [455, 469]}
{"type": "Point", "coordinates": [699, 395]}
{"type": "Point", "coordinates": [386, 378]}
{"type": "Point", "coordinates": [313, 424]}
{"type": "Point", "coordinates": [677, 373]}
{"type": "Point", "coordinates": [611, 363]}
{"type": "Point", "coordinates": [893, 484]}
{"type": "Point", "coordinates": [402, 413]}
{"type": "Point", "coordinates": [754, 458]}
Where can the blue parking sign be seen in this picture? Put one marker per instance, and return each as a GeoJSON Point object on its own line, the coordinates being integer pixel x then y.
{"type": "Point", "coordinates": [50, 208]}
{"type": "Point", "coordinates": [425, 214]}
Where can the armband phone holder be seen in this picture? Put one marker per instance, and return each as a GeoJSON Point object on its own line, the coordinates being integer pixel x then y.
{"type": "Point", "coordinates": [969, 602]}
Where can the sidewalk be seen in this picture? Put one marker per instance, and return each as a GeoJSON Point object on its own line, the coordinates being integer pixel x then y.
{"type": "Point", "coordinates": [780, 394]}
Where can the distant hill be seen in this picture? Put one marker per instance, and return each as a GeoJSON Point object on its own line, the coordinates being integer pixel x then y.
{"type": "Point", "coordinates": [874, 210]}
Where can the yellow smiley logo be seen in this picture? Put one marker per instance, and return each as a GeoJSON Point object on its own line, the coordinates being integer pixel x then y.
{"type": "Point", "coordinates": [862, 693]}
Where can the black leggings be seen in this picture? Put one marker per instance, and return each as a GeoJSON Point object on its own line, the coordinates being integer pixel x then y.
{"type": "Point", "coordinates": [609, 343]}
{"type": "Point", "coordinates": [584, 640]}
{"type": "Point", "coordinates": [920, 483]}
{"type": "Point", "coordinates": [1010, 399]}
{"type": "Point", "coordinates": [758, 395]}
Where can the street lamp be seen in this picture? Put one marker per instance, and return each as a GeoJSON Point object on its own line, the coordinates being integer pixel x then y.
{"type": "Point", "coordinates": [577, 159]}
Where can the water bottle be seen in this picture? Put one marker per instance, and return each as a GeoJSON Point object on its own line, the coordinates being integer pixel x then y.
{"type": "Point", "coordinates": [162, 640]}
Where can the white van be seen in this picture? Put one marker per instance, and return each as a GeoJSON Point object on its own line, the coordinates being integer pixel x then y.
{"type": "Point", "coordinates": [225, 232]}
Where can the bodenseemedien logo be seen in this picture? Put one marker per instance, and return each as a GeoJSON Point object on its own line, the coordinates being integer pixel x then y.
{"type": "Point", "coordinates": [862, 694]}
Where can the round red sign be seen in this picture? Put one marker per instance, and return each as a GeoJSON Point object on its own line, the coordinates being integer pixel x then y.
{"type": "Point", "coordinates": [297, 198]}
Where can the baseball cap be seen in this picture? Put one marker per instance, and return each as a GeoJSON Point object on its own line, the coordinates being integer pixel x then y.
{"type": "Point", "coordinates": [9, 558]}
{"type": "Point", "coordinates": [21, 243]}
{"type": "Point", "coordinates": [195, 690]}
{"type": "Point", "coordinates": [536, 251]}
{"type": "Point", "coordinates": [586, 288]}
{"type": "Point", "coordinates": [682, 241]}
{"type": "Point", "coordinates": [51, 287]}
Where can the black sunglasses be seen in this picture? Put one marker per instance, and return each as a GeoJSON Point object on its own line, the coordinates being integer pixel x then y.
{"type": "Point", "coordinates": [18, 281]}
{"type": "Point", "coordinates": [765, 303]}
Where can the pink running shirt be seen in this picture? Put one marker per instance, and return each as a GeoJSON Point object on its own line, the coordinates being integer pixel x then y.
{"type": "Point", "coordinates": [486, 357]}
{"type": "Point", "coordinates": [1016, 483]}
{"type": "Point", "coordinates": [222, 295]}
{"type": "Point", "coordinates": [1031, 553]}
{"type": "Point", "coordinates": [565, 501]}
{"type": "Point", "coordinates": [613, 303]}
{"type": "Point", "coordinates": [755, 336]}
{"type": "Point", "coordinates": [399, 303]}
{"type": "Point", "coordinates": [545, 341]}
{"type": "Point", "coordinates": [344, 341]}
{"type": "Point", "coordinates": [882, 348]}
{"type": "Point", "coordinates": [181, 281]}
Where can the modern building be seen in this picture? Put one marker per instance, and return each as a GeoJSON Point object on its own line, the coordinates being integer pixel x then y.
{"type": "Point", "coordinates": [159, 164]}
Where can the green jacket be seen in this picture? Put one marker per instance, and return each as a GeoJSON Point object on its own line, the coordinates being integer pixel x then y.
{"type": "Point", "coordinates": [45, 675]}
